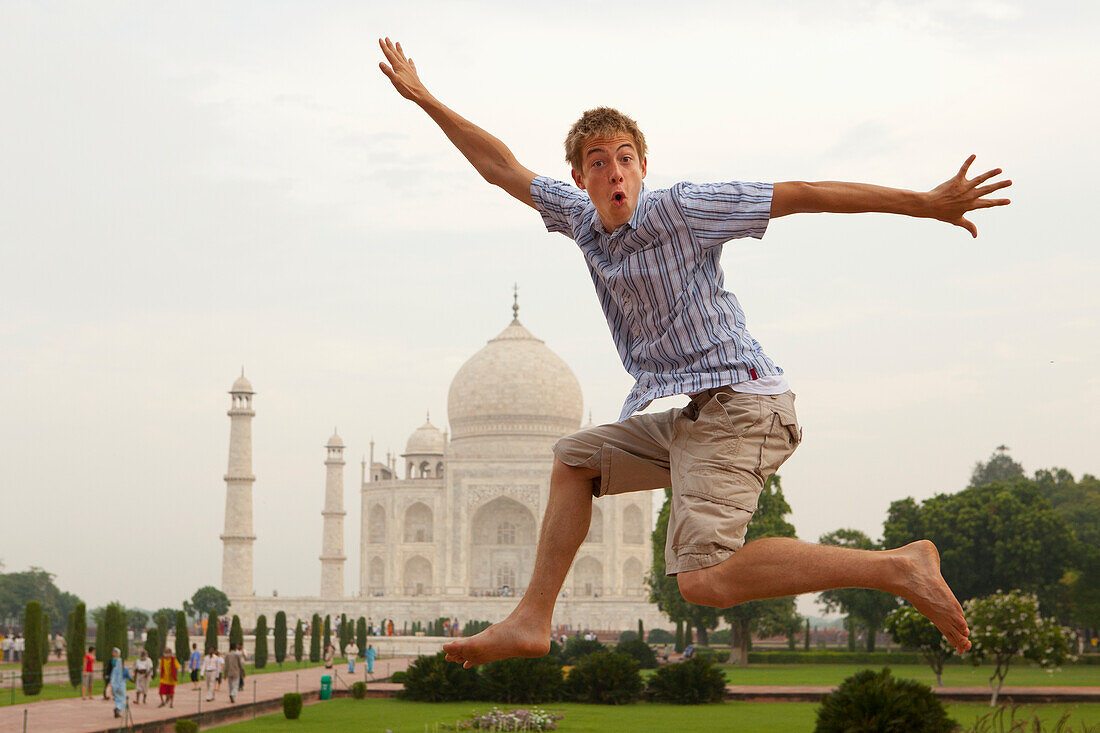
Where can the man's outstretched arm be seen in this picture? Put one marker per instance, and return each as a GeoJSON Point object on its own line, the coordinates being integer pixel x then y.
{"type": "Point", "coordinates": [492, 158]}
{"type": "Point", "coordinates": [949, 202]}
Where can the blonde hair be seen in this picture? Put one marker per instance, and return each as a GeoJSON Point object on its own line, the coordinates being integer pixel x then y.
{"type": "Point", "coordinates": [600, 122]}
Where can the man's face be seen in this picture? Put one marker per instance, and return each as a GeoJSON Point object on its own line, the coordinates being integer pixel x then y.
{"type": "Point", "coordinates": [612, 175]}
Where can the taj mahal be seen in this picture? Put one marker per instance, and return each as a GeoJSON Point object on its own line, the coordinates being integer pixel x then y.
{"type": "Point", "coordinates": [449, 527]}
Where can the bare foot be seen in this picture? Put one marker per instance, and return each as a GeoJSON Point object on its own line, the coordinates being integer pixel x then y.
{"type": "Point", "coordinates": [512, 637]}
{"type": "Point", "coordinates": [926, 589]}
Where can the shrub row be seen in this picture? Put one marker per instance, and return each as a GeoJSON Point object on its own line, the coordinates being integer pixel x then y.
{"type": "Point", "coordinates": [603, 676]}
{"type": "Point", "coordinates": [837, 657]}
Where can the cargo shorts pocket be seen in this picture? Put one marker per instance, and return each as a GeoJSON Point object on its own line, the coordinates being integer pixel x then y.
{"type": "Point", "coordinates": [719, 451]}
{"type": "Point", "coordinates": [782, 438]}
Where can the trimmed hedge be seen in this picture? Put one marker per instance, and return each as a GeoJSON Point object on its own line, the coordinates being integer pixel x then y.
{"type": "Point", "coordinates": [434, 679]}
{"type": "Point", "coordinates": [576, 648]}
{"type": "Point", "coordinates": [639, 651]}
{"type": "Point", "coordinates": [280, 637]}
{"type": "Point", "coordinates": [259, 653]}
{"type": "Point", "coordinates": [660, 636]}
{"type": "Point", "coordinates": [687, 683]}
{"type": "Point", "coordinates": [359, 690]}
{"type": "Point", "coordinates": [606, 678]}
{"type": "Point", "coordinates": [186, 726]}
{"type": "Point", "coordinates": [520, 680]}
{"type": "Point", "coordinates": [32, 650]}
{"type": "Point", "coordinates": [292, 705]}
{"type": "Point", "coordinates": [837, 657]}
{"type": "Point", "coordinates": [877, 701]}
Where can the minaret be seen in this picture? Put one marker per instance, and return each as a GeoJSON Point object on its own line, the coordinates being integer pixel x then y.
{"type": "Point", "coordinates": [238, 538]}
{"type": "Point", "coordinates": [332, 541]}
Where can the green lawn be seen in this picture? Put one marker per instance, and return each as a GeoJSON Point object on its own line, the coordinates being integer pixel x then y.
{"type": "Point", "coordinates": [953, 676]}
{"type": "Point", "coordinates": [408, 717]}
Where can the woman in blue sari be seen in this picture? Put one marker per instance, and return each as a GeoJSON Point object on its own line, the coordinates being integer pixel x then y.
{"type": "Point", "coordinates": [119, 675]}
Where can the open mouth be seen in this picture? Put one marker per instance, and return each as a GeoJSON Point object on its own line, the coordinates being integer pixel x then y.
{"type": "Point", "coordinates": [619, 197]}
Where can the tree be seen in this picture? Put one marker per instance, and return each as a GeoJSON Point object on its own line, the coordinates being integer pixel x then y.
{"type": "Point", "coordinates": [162, 618]}
{"type": "Point", "coordinates": [280, 636]}
{"type": "Point", "coordinates": [315, 639]}
{"type": "Point", "coordinates": [211, 639]}
{"type": "Point", "coordinates": [35, 584]}
{"type": "Point", "coordinates": [990, 537]}
{"type": "Point", "coordinates": [298, 641]}
{"type": "Point", "coordinates": [361, 636]}
{"type": "Point", "coordinates": [912, 630]}
{"type": "Point", "coordinates": [75, 641]}
{"type": "Point", "coordinates": [114, 632]}
{"type": "Point", "coordinates": [664, 590]}
{"type": "Point", "coordinates": [102, 652]}
{"type": "Point", "coordinates": [259, 655]}
{"type": "Point", "coordinates": [183, 639]}
{"type": "Point", "coordinates": [1000, 468]}
{"type": "Point", "coordinates": [137, 619]}
{"type": "Point", "coordinates": [869, 608]}
{"type": "Point", "coordinates": [32, 651]}
{"type": "Point", "coordinates": [153, 643]}
{"type": "Point", "coordinates": [1078, 503]}
{"type": "Point", "coordinates": [209, 601]}
{"type": "Point", "coordinates": [44, 639]}
{"type": "Point", "coordinates": [327, 639]}
{"type": "Point", "coordinates": [773, 615]}
{"type": "Point", "coordinates": [1004, 626]}
{"type": "Point", "coordinates": [236, 634]}
{"type": "Point", "coordinates": [344, 637]}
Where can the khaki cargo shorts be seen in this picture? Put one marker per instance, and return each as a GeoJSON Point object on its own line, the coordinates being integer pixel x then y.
{"type": "Point", "coordinates": [715, 453]}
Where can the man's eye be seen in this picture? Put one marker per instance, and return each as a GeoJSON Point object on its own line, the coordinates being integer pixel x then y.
{"type": "Point", "coordinates": [627, 159]}
{"type": "Point", "coordinates": [597, 164]}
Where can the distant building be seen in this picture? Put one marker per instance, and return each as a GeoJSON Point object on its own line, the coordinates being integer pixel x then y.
{"type": "Point", "coordinates": [455, 535]}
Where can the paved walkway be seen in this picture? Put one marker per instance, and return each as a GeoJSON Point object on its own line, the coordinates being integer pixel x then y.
{"type": "Point", "coordinates": [74, 715]}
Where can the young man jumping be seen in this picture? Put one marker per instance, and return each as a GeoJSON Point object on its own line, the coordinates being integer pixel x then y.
{"type": "Point", "coordinates": [653, 257]}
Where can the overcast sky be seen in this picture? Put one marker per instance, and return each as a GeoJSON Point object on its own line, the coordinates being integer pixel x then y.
{"type": "Point", "coordinates": [188, 188]}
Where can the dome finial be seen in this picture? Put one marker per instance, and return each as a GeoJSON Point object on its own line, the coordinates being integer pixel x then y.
{"type": "Point", "coordinates": [515, 303]}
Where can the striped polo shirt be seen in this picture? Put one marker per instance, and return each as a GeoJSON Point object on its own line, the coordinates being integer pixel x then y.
{"type": "Point", "coordinates": [659, 282]}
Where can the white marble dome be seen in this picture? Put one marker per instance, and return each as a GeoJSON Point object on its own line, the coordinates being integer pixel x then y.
{"type": "Point", "coordinates": [514, 386]}
{"type": "Point", "coordinates": [426, 439]}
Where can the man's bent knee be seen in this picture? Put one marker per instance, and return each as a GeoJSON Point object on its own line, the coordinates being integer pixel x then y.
{"type": "Point", "coordinates": [697, 587]}
{"type": "Point", "coordinates": [563, 470]}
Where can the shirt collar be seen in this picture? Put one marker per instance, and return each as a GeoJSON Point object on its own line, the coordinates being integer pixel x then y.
{"type": "Point", "coordinates": [635, 218]}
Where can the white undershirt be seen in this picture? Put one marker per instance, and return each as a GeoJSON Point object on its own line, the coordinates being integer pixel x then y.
{"type": "Point", "coordinates": [763, 385]}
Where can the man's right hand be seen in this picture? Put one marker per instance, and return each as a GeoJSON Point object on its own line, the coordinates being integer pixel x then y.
{"type": "Point", "coordinates": [401, 71]}
{"type": "Point", "coordinates": [489, 156]}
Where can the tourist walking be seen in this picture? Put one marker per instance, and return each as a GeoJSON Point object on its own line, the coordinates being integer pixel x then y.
{"type": "Point", "coordinates": [194, 665]}
{"type": "Point", "coordinates": [330, 653]}
{"type": "Point", "coordinates": [351, 651]}
{"type": "Point", "coordinates": [169, 677]}
{"type": "Point", "coordinates": [118, 676]}
{"type": "Point", "coordinates": [86, 677]}
{"type": "Point", "coordinates": [209, 668]}
{"type": "Point", "coordinates": [370, 656]}
{"type": "Point", "coordinates": [234, 671]}
{"type": "Point", "coordinates": [142, 673]}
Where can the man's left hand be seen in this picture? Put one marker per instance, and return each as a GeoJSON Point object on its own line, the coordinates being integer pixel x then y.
{"type": "Point", "coordinates": [954, 198]}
